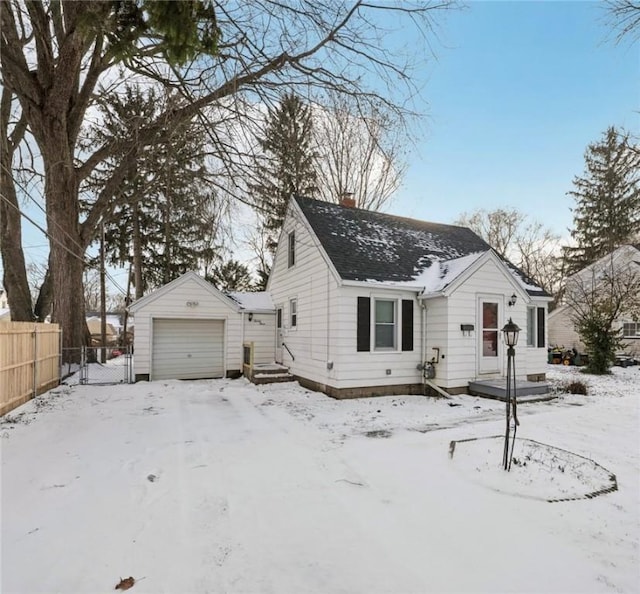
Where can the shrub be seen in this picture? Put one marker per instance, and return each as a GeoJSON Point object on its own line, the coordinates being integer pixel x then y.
{"type": "Point", "coordinates": [576, 387]}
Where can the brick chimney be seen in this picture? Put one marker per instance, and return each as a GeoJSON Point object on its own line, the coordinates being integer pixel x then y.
{"type": "Point", "coordinates": [347, 200]}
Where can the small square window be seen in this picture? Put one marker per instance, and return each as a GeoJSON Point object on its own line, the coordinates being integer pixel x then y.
{"type": "Point", "coordinates": [293, 309]}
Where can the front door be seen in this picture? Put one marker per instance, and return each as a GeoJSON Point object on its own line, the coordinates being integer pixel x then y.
{"type": "Point", "coordinates": [489, 360]}
{"type": "Point", "coordinates": [279, 338]}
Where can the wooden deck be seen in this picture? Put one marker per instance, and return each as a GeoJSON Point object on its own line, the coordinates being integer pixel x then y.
{"type": "Point", "coordinates": [497, 390]}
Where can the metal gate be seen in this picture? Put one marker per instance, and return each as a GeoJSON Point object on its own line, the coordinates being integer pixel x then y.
{"type": "Point", "coordinates": [101, 366]}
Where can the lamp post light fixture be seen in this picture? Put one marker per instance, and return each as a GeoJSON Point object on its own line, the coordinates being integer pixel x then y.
{"type": "Point", "coordinates": [510, 335]}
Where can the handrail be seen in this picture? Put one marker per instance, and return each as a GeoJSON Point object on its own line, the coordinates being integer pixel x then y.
{"type": "Point", "coordinates": [289, 351]}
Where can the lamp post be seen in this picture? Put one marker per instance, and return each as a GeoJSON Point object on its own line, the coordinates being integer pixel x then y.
{"type": "Point", "coordinates": [510, 335]}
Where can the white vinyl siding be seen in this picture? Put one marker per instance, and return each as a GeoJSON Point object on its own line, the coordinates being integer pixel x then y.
{"type": "Point", "coordinates": [261, 331]}
{"type": "Point", "coordinates": [460, 362]}
{"type": "Point", "coordinates": [187, 349]}
{"type": "Point", "coordinates": [313, 286]}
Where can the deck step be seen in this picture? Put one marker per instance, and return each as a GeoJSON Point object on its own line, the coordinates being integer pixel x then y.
{"type": "Point", "coordinates": [496, 389]}
{"type": "Point", "coordinates": [270, 374]}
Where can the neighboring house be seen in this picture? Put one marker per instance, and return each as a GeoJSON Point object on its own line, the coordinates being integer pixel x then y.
{"type": "Point", "coordinates": [368, 303]}
{"type": "Point", "coordinates": [5, 313]}
{"type": "Point", "coordinates": [623, 261]}
{"type": "Point", "coordinates": [188, 329]}
{"type": "Point", "coordinates": [95, 329]}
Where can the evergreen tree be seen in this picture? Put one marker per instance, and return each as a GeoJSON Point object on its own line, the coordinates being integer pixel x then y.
{"type": "Point", "coordinates": [161, 218]}
{"type": "Point", "coordinates": [287, 165]}
{"type": "Point", "coordinates": [607, 211]}
{"type": "Point", "coordinates": [231, 276]}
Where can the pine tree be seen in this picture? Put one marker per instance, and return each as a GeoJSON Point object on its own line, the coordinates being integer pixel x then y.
{"type": "Point", "coordinates": [231, 276]}
{"type": "Point", "coordinates": [287, 165]}
{"type": "Point", "coordinates": [161, 217]}
{"type": "Point", "coordinates": [607, 211]}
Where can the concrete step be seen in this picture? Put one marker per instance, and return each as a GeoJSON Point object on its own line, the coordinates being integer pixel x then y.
{"type": "Point", "coordinates": [270, 374]}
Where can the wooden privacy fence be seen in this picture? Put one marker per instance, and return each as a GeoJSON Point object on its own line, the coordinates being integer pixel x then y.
{"type": "Point", "coordinates": [29, 361]}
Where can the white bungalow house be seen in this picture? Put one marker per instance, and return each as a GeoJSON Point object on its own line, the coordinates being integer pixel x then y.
{"type": "Point", "coordinates": [368, 303]}
{"type": "Point", "coordinates": [623, 263]}
{"type": "Point", "coordinates": [358, 303]}
{"type": "Point", "coordinates": [188, 329]}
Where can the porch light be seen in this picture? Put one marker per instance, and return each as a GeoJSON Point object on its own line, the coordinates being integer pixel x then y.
{"type": "Point", "coordinates": [510, 333]}
{"type": "Point", "coordinates": [512, 300]}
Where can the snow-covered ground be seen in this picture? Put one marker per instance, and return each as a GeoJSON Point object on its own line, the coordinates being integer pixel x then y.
{"type": "Point", "coordinates": [222, 486]}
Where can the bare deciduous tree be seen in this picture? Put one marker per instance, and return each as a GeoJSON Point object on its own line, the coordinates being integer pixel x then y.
{"type": "Point", "coordinates": [53, 55]}
{"type": "Point", "coordinates": [359, 153]}
{"type": "Point", "coordinates": [528, 244]}
{"type": "Point", "coordinates": [624, 18]}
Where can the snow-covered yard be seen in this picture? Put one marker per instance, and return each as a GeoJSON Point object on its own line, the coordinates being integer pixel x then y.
{"type": "Point", "coordinates": [222, 486]}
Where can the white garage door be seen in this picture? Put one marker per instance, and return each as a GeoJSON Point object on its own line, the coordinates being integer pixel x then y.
{"type": "Point", "coordinates": [187, 349]}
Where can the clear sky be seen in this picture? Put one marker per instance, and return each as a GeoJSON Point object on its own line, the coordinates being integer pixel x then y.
{"type": "Point", "coordinates": [518, 91]}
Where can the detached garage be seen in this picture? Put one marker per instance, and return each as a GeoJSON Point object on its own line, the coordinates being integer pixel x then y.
{"type": "Point", "coordinates": [190, 330]}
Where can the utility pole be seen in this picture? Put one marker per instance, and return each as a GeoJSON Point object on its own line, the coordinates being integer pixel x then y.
{"type": "Point", "coordinates": [103, 300]}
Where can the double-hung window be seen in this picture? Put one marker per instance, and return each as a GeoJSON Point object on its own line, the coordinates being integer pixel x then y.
{"type": "Point", "coordinates": [631, 330]}
{"type": "Point", "coordinates": [293, 311]}
{"type": "Point", "coordinates": [385, 324]}
{"type": "Point", "coordinates": [536, 326]}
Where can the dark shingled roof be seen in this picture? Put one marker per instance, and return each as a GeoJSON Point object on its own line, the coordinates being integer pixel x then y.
{"type": "Point", "coordinates": [371, 246]}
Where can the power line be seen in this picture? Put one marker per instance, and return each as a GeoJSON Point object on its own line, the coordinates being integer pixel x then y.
{"type": "Point", "coordinates": [60, 244]}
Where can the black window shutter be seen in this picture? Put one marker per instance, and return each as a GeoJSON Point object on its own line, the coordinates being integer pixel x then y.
{"type": "Point", "coordinates": [364, 324]}
{"type": "Point", "coordinates": [541, 327]}
{"type": "Point", "coordinates": [407, 324]}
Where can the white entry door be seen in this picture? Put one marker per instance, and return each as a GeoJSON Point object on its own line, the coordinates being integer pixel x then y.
{"type": "Point", "coordinates": [489, 348]}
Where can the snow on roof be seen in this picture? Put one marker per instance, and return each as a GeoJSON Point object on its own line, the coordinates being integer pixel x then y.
{"type": "Point", "coordinates": [437, 275]}
{"type": "Point", "coordinates": [258, 300]}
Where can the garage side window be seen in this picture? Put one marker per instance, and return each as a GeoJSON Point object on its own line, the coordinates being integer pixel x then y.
{"type": "Point", "coordinates": [293, 309]}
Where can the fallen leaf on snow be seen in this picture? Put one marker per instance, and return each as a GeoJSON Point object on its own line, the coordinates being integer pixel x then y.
{"type": "Point", "coordinates": [125, 583]}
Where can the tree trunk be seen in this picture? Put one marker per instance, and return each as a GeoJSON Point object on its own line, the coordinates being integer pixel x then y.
{"type": "Point", "coordinates": [15, 271]}
{"type": "Point", "coordinates": [67, 251]}
{"type": "Point", "coordinates": [14, 280]}
{"type": "Point", "coordinates": [45, 296]}
{"type": "Point", "coordinates": [137, 253]}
